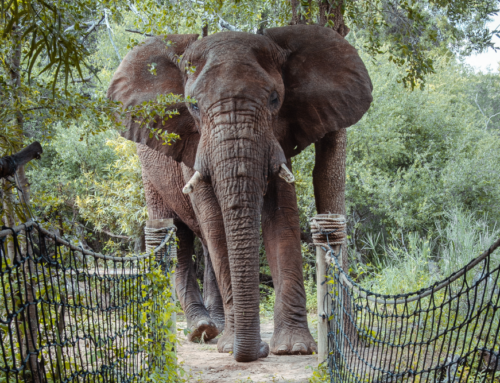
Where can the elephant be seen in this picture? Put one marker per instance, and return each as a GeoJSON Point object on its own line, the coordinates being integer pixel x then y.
{"type": "Point", "coordinates": [259, 100]}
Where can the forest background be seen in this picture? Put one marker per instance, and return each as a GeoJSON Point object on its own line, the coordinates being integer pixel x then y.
{"type": "Point", "coordinates": [422, 192]}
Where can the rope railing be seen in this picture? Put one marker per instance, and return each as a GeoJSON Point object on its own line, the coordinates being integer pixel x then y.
{"type": "Point", "coordinates": [69, 314]}
{"type": "Point", "coordinates": [448, 332]}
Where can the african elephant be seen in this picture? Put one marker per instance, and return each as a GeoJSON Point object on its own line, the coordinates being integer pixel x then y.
{"type": "Point", "coordinates": [260, 100]}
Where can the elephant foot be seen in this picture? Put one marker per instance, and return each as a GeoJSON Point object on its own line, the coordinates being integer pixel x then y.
{"type": "Point", "coordinates": [293, 341]}
{"type": "Point", "coordinates": [217, 316]}
{"type": "Point", "coordinates": [226, 343]}
{"type": "Point", "coordinates": [204, 330]}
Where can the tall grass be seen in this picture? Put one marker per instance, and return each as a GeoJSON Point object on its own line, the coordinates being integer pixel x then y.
{"type": "Point", "coordinates": [412, 262]}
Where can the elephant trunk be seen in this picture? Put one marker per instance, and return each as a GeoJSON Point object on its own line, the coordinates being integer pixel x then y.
{"type": "Point", "coordinates": [240, 158]}
{"type": "Point", "coordinates": [240, 196]}
{"type": "Point", "coordinates": [242, 235]}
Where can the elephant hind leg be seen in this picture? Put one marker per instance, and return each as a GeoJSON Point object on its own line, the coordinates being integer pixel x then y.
{"type": "Point", "coordinates": [199, 322]}
{"type": "Point", "coordinates": [211, 293]}
{"type": "Point", "coordinates": [188, 292]}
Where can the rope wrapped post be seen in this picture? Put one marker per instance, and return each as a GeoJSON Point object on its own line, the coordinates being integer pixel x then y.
{"type": "Point", "coordinates": [156, 231]}
{"type": "Point", "coordinates": [327, 230]}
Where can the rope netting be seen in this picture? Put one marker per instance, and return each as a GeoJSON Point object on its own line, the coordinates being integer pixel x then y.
{"type": "Point", "coordinates": [69, 314]}
{"type": "Point", "coordinates": [448, 332]}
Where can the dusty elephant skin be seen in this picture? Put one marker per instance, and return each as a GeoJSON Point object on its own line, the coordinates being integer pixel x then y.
{"type": "Point", "coordinates": [261, 99]}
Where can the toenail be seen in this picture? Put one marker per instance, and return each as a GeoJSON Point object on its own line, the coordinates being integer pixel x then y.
{"type": "Point", "coordinates": [282, 348]}
{"type": "Point", "coordinates": [299, 347]}
{"type": "Point", "coordinates": [227, 348]}
{"type": "Point", "coordinates": [203, 323]}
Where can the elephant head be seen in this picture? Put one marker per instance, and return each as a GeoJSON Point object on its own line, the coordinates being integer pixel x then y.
{"type": "Point", "coordinates": [260, 100]}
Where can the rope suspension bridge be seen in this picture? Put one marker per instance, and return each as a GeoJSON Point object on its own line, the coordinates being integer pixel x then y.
{"type": "Point", "coordinates": [70, 314]}
{"type": "Point", "coordinates": [448, 332]}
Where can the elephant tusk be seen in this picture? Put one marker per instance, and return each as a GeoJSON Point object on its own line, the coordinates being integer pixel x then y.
{"type": "Point", "coordinates": [191, 185]}
{"type": "Point", "coordinates": [286, 174]}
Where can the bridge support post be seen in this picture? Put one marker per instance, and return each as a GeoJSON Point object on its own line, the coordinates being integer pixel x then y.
{"type": "Point", "coordinates": [325, 300]}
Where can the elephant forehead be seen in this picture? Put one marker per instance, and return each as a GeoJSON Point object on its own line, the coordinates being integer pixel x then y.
{"type": "Point", "coordinates": [228, 46]}
{"type": "Point", "coordinates": [230, 79]}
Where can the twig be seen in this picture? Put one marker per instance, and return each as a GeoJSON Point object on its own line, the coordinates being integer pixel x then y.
{"type": "Point", "coordinates": [479, 107]}
{"type": "Point", "coordinates": [109, 34]}
{"type": "Point", "coordinates": [86, 79]}
{"type": "Point", "coordinates": [92, 28]}
{"type": "Point", "coordinates": [224, 24]}
{"type": "Point", "coordinates": [138, 32]}
{"type": "Point", "coordinates": [134, 10]}
{"type": "Point", "coordinates": [487, 122]}
{"type": "Point", "coordinates": [116, 235]}
{"type": "Point", "coordinates": [107, 232]}
{"type": "Point", "coordinates": [489, 119]}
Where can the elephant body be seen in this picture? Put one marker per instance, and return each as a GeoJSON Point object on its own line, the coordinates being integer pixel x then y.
{"type": "Point", "coordinates": [259, 100]}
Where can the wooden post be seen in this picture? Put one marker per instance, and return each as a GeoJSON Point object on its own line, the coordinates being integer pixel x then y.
{"type": "Point", "coordinates": [324, 304]}
{"type": "Point", "coordinates": [322, 289]}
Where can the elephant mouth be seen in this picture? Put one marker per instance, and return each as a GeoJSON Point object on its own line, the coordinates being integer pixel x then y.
{"type": "Point", "coordinates": [190, 186]}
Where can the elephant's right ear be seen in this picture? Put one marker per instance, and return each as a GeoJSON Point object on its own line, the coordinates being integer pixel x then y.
{"type": "Point", "coordinates": [135, 82]}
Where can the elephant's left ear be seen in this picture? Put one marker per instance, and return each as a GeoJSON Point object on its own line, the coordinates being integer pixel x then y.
{"type": "Point", "coordinates": [327, 86]}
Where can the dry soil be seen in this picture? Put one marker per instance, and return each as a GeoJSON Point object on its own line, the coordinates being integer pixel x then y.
{"type": "Point", "coordinates": [204, 364]}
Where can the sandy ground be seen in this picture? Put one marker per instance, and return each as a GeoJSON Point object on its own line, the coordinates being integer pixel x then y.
{"type": "Point", "coordinates": [205, 365]}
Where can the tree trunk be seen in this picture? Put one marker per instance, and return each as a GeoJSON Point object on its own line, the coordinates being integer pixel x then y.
{"type": "Point", "coordinates": [30, 314]}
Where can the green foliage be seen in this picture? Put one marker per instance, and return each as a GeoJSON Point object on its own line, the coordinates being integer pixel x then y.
{"type": "Point", "coordinates": [415, 155]}
{"type": "Point", "coordinates": [115, 198]}
{"type": "Point", "coordinates": [413, 262]}
{"type": "Point", "coordinates": [320, 374]}
{"type": "Point", "coordinates": [156, 335]}
{"type": "Point", "coordinates": [57, 178]}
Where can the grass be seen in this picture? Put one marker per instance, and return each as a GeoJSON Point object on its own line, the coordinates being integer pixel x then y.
{"type": "Point", "coordinates": [414, 263]}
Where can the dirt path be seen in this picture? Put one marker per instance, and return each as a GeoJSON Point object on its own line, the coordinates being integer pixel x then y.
{"type": "Point", "coordinates": [205, 365]}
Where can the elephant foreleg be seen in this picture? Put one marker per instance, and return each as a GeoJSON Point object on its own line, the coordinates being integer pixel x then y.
{"type": "Point", "coordinates": [281, 232]}
{"type": "Point", "coordinates": [211, 223]}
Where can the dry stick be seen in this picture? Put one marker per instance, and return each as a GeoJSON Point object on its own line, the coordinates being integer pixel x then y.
{"type": "Point", "coordinates": [109, 33]}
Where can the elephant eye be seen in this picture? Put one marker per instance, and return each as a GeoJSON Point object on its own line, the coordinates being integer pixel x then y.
{"type": "Point", "coordinates": [274, 100]}
{"type": "Point", "coordinates": [195, 107]}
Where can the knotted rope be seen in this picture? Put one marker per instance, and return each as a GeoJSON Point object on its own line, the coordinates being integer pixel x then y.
{"type": "Point", "coordinates": [328, 230]}
{"type": "Point", "coordinates": [157, 239]}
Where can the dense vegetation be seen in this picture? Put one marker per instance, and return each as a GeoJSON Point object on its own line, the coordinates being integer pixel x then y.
{"type": "Point", "coordinates": [416, 156]}
{"type": "Point", "coordinates": [422, 166]}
